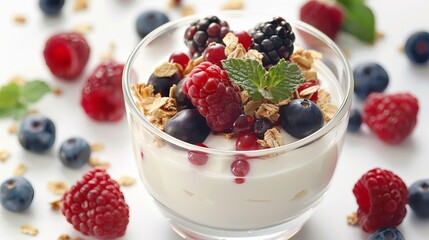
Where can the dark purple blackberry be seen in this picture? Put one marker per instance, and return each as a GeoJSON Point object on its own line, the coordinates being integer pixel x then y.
{"type": "Point", "coordinates": [274, 39]}
{"type": "Point", "coordinates": [204, 31]}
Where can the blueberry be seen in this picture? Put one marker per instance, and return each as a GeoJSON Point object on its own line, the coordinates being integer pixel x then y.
{"type": "Point", "coordinates": [368, 78]}
{"type": "Point", "coordinates": [418, 198]}
{"type": "Point", "coordinates": [149, 20]}
{"type": "Point", "coordinates": [51, 7]}
{"type": "Point", "coordinates": [16, 194]}
{"type": "Point", "coordinates": [301, 117]}
{"type": "Point", "coordinates": [188, 125]}
{"type": "Point", "coordinates": [355, 121]}
{"type": "Point", "coordinates": [183, 102]}
{"type": "Point", "coordinates": [36, 133]}
{"type": "Point", "coordinates": [417, 47]}
{"type": "Point", "coordinates": [162, 84]}
{"type": "Point", "coordinates": [386, 234]}
{"type": "Point", "coordinates": [75, 152]}
{"type": "Point", "coordinates": [261, 126]}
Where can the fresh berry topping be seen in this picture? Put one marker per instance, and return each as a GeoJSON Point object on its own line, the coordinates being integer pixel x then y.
{"type": "Point", "coordinates": [382, 198]}
{"type": "Point", "coordinates": [95, 206]}
{"type": "Point", "coordinates": [215, 54]}
{"type": "Point", "coordinates": [244, 38]}
{"type": "Point", "coordinates": [301, 93]}
{"type": "Point", "coordinates": [240, 168]}
{"type": "Point", "coordinates": [327, 18]}
{"type": "Point", "coordinates": [163, 84]}
{"type": "Point", "coordinates": [205, 31]}
{"type": "Point", "coordinates": [102, 97]}
{"type": "Point", "coordinates": [51, 7]}
{"type": "Point", "coordinates": [419, 198]}
{"type": "Point", "coordinates": [242, 124]}
{"type": "Point", "coordinates": [274, 39]}
{"type": "Point", "coordinates": [66, 55]}
{"type": "Point", "coordinates": [261, 126]}
{"type": "Point", "coordinates": [246, 142]}
{"type": "Point", "coordinates": [16, 194]}
{"type": "Point", "coordinates": [180, 58]}
{"type": "Point", "coordinates": [198, 158]}
{"type": "Point", "coordinates": [301, 118]}
{"type": "Point", "coordinates": [188, 125]}
{"type": "Point", "coordinates": [355, 121]}
{"type": "Point", "coordinates": [182, 101]}
{"type": "Point", "coordinates": [149, 20]}
{"type": "Point", "coordinates": [386, 234]}
{"type": "Point", "coordinates": [392, 117]}
{"type": "Point", "coordinates": [36, 133]}
{"type": "Point", "coordinates": [213, 94]}
{"type": "Point", "coordinates": [74, 152]}
{"type": "Point", "coordinates": [417, 47]}
{"type": "Point", "coordinates": [369, 77]}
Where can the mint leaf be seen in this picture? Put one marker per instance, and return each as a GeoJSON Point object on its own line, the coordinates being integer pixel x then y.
{"type": "Point", "coordinates": [350, 2]}
{"type": "Point", "coordinates": [32, 91]}
{"type": "Point", "coordinates": [15, 112]}
{"type": "Point", "coordinates": [360, 22]}
{"type": "Point", "coordinates": [249, 74]}
{"type": "Point", "coordinates": [283, 79]}
{"type": "Point", "coordinates": [9, 95]}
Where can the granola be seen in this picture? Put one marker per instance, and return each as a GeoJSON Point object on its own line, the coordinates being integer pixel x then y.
{"type": "Point", "coordinates": [268, 111]}
{"type": "Point", "coordinates": [19, 170]}
{"type": "Point", "coordinates": [272, 138]}
{"type": "Point", "coordinates": [29, 230]}
{"type": "Point", "coordinates": [58, 187]}
{"type": "Point", "coordinates": [4, 155]}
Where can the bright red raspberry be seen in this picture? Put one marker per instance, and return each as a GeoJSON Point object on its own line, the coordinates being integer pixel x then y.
{"type": "Point", "coordinates": [392, 117]}
{"type": "Point", "coordinates": [326, 18]}
{"type": "Point", "coordinates": [66, 55]}
{"type": "Point", "coordinates": [382, 197]}
{"type": "Point", "coordinates": [211, 91]}
{"type": "Point", "coordinates": [102, 97]}
{"type": "Point", "coordinates": [95, 206]}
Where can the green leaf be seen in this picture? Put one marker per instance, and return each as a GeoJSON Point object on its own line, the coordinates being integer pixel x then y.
{"type": "Point", "coordinates": [15, 112]}
{"type": "Point", "coordinates": [360, 22]}
{"type": "Point", "coordinates": [32, 91]}
{"type": "Point", "coordinates": [247, 73]}
{"type": "Point", "coordinates": [9, 95]}
{"type": "Point", "coordinates": [350, 2]}
{"type": "Point", "coordinates": [283, 79]}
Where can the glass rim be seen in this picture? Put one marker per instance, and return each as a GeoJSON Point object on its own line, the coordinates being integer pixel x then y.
{"type": "Point", "coordinates": [131, 106]}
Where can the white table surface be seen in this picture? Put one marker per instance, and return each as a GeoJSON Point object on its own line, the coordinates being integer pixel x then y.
{"type": "Point", "coordinates": [114, 21]}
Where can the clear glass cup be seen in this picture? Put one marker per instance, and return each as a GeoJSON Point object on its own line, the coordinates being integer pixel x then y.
{"type": "Point", "coordinates": [284, 184]}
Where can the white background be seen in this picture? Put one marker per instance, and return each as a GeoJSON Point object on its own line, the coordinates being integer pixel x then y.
{"type": "Point", "coordinates": [114, 21]}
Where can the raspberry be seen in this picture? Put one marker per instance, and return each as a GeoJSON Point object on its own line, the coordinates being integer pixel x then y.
{"type": "Point", "coordinates": [66, 55]}
{"type": "Point", "coordinates": [102, 97]}
{"type": "Point", "coordinates": [274, 40]}
{"type": "Point", "coordinates": [326, 18]}
{"type": "Point", "coordinates": [95, 206]}
{"type": "Point", "coordinates": [392, 117]}
{"type": "Point", "coordinates": [211, 91]}
{"type": "Point", "coordinates": [382, 198]}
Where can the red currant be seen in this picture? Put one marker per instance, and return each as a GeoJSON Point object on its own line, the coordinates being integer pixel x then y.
{"type": "Point", "coordinates": [244, 38]}
{"type": "Point", "coordinates": [215, 54]}
{"type": "Point", "coordinates": [242, 124]}
{"type": "Point", "coordinates": [180, 58]}
{"type": "Point", "coordinates": [198, 158]}
{"type": "Point", "coordinates": [246, 141]}
{"type": "Point", "coordinates": [240, 168]}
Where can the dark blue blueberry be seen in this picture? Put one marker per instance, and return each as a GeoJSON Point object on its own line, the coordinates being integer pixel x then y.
{"type": "Point", "coordinates": [16, 194]}
{"type": "Point", "coordinates": [188, 125]}
{"type": "Point", "coordinates": [36, 133]}
{"type": "Point", "coordinates": [162, 84]}
{"type": "Point", "coordinates": [417, 47]}
{"type": "Point", "coordinates": [261, 126]}
{"type": "Point", "coordinates": [51, 7]}
{"type": "Point", "coordinates": [149, 20]}
{"type": "Point", "coordinates": [386, 234]}
{"type": "Point", "coordinates": [418, 198]}
{"type": "Point", "coordinates": [301, 117]}
{"type": "Point", "coordinates": [355, 121]}
{"type": "Point", "coordinates": [183, 102]}
{"type": "Point", "coordinates": [75, 152]}
{"type": "Point", "coordinates": [368, 78]}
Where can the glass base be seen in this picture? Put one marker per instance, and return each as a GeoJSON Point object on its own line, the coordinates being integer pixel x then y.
{"type": "Point", "coordinates": [193, 231]}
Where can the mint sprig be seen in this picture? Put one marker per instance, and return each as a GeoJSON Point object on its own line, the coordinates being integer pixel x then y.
{"type": "Point", "coordinates": [276, 85]}
{"type": "Point", "coordinates": [14, 98]}
{"type": "Point", "coordinates": [359, 20]}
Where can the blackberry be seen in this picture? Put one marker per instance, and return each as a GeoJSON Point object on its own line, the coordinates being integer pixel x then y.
{"type": "Point", "coordinates": [204, 31]}
{"type": "Point", "coordinates": [274, 40]}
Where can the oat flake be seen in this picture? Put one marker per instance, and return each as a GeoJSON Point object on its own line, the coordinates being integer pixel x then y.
{"type": "Point", "coordinates": [19, 170]}
{"type": "Point", "coordinates": [352, 219]}
{"type": "Point", "coordinates": [126, 181]}
{"type": "Point", "coordinates": [4, 155]}
{"type": "Point", "coordinates": [56, 205]}
{"type": "Point", "coordinates": [29, 230]}
{"type": "Point", "coordinates": [58, 187]}
{"type": "Point", "coordinates": [95, 147]}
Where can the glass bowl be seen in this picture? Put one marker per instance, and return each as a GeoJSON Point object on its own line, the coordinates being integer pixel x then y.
{"type": "Point", "coordinates": [284, 184]}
